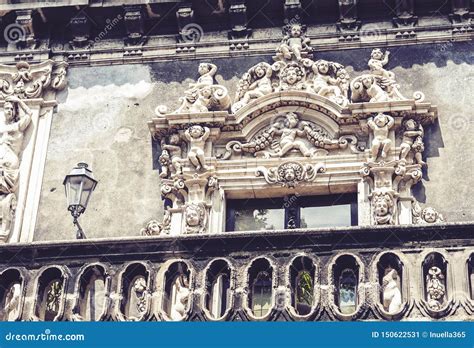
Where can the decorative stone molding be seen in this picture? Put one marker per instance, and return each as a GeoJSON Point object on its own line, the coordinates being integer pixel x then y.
{"type": "Point", "coordinates": [290, 174]}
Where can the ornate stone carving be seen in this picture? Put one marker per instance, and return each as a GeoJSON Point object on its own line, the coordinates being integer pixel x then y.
{"type": "Point", "coordinates": [12, 128]}
{"type": "Point", "coordinates": [140, 290]}
{"type": "Point", "coordinates": [435, 288]}
{"type": "Point", "coordinates": [412, 141]}
{"type": "Point", "coordinates": [54, 295]}
{"type": "Point", "coordinates": [290, 174]}
{"type": "Point", "coordinates": [381, 142]}
{"type": "Point", "coordinates": [427, 215]}
{"type": "Point", "coordinates": [254, 84]}
{"type": "Point", "coordinates": [25, 81]}
{"type": "Point", "coordinates": [331, 81]}
{"type": "Point", "coordinates": [195, 218]}
{"type": "Point", "coordinates": [180, 305]}
{"type": "Point", "coordinates": [301, 136]}
{"type": "Point", "coordinates": [196, 136]}
{"type": "Point", "coordinates": [202, 96]}
{"type": "Point", "coordinates": [12, 302]}
{"type": "Point", "coordinates": [383, 207]}
{"type": "Point", "coordinates": [392, 296]}
{"type": "Point", "coordinates": [295, 45]}
{"type": "Point", "coordinates": [154, 228]}
{"type": "Point", "coordinates": [171, 157]}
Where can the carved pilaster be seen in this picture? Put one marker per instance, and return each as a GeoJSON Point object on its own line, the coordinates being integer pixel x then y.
{"type": "Point", "coordinates": [27, 101]}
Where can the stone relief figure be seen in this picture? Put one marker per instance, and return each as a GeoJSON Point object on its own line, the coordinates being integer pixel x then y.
{"type": "Point", "coordinates": [290, 174]}
{"type": "Point", "coordinates": [203, 95]}
{"type": "Point", "coordinates": [291, 77]}
{"type": "Point", "coordinates": [295, 45]}
{"type": "Point", "coordinates": [181, 298]}
{"type": "Point", "coordinates": [195, 218]}
{"type": "Point", "coordinates": [330, 80]}
{"type": "Point", "coordinates": [254, 84]}
{"type": "Point", "coordinates": [140, 291]}
{"type": "Point", "coordinates": [154, 228]}
{"type": "Point", "coordinates": [196, 136]}
{"type": "Point", "coordinates": [381, 142]}
{"type": "Point", "coordinates": [391, 294]}
{"type": "Point", "coordinates": [12, 128]}
{"type": "Point", "coordinates": [377, 61]}
{"type": "Point", "coordinates": [427, 215]}
{"type": "Point", "coordinates": [435, 288]}
{"type": "Point", "coordinates": [170, 158]}
{"type": "Point", "coordinates": [382, 206]}
{"type": "Point", "coordinates": [12, 302]}
{"type": "Point", "coordinates": [294, 135]}
{"type": "Point", "coordinates": [412, 141]}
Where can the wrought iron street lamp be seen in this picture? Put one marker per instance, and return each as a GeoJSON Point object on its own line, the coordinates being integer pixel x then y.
{"type": "Point", "coordinates": [79, 184]}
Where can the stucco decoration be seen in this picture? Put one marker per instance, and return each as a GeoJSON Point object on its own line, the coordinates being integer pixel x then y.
{"type": "Point", "coordinates": [435, 288]}
{"type": "Point", "coordinates": [11, 307]}
{"type": "Point", "coordinates": [380, 85]}
{"type": "Point", "coordinates": [383, 207]}
{"type": "Point", "coordinates": [16, 119]}
{"type": "Point", "coordinates": [202, 96]}
{"type": "Point", "coordinates": [155, 228]}
{"type": "Point", "coordinates": [290, 174]}
{"type": "Point", "coordinates": [381, 142]}
{"type": "Point", "coordinates": [295, 45]}
{"type": "Point", "coordinates": [392, 296]}
{"type": "Point", "coordinates": [196, 136]}
{"type": "Point", "coordinates": [171, 156]}
{"type": "Point", "coordinates": [140, 292]}
{"type": "Point", "coordinates": [412, 142]}
{"type": "Point", "coordinates": [285, 135]}
{"type": "Point", "coordinates": [195, 218]}
{"type": "Point", "coordinates": [426, 215]}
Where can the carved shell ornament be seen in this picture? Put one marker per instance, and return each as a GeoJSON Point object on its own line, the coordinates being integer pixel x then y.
{"type": "Point", "coordinates": [290, 174]}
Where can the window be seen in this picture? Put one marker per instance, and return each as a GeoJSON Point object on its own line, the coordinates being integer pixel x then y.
{"type": "Point", "coordinates": [260, 284]}
{"type": "Point", "coordinates": [302, 273]}
{"type": "Point", "coordinates": [50, 294]}
{"type": "Point", "coordinates": [10, 294]}
{"type": "Point", "coordinates": [134, 290]}
{"type": "Point", "coordinates": [390, 272]}
{"type": "Point", "coordinates": [218, 288]}
{"type": "Point", "coordinates": [346, 279]}
{"type": "Point", "coordinates": [177, 293]}
{"type": "Point", "coordinates": [92, 293]}
{"type": "Point", "coordinates": [292, 212]}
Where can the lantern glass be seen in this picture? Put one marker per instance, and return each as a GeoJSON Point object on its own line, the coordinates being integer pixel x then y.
{"type": "Point", "coordinates": [79, 185]}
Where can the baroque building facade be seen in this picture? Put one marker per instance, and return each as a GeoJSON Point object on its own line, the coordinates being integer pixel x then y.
{"type": "Point", "coordinates": [271, 161]}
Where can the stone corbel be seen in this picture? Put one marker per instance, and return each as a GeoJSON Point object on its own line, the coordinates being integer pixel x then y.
{"type": "Point", "coordinates": [238, 20]}
{"type": "Point", "coordinates": [24, 19]}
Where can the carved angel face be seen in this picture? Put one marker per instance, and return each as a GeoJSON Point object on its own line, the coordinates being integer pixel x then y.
{"type": "Point", "coordinates": [429, 215]}
{"type": "Point", "coordinates": [296, 30]}
{"type": "Point", "coordinates": [323, 67]}
{"type": "Point", "coordinates": [203, 68]}
{"type": "Point", "coordinates": [377, 54]}
{"type": "Point", "coordinates": [196, 131]}
{"type": "Point", "coordinates": [206, 92]}
{"type": "Point", "coordinates": [153, 226]}
{"type": "Point", "coordinates": [194, 215]}
{"type": "Point", "coordinates": [410, 124]}
{"type": "Point", "coordinates": [292, 76]}
{"type": "Point", "coordinates": [289, 174]}
{"type": "Point", "coordinates": [259, 71]}
{"type": "Point", "coordinates": [381, 120]}
{"type": "Point", "coordinates": [174, 139]}
{"type": "Point", "coordinates": [291, 120]}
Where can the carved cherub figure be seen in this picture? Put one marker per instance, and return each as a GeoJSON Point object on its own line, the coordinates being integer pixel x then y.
{"type": "Point", "coordinates": [435, 288]}
{"type": "Point", "coordinates": [392, 296]}
{"type": "Point", "coordinates": [197, 136]}
{"type": "Point", "coordinates": [203, 100]}
{"type": "Point", "coordinates": [381, 125]}
{"type": "Point", "coordinates": [373, 90]}
{"type": "Point", "coordinates": [262, 85]}
{"type": "Point", "coordinates": [154, 228]}
{"type": "Point", "coordinates": [195, 218]}
{"type": "Point", "coordinates": [289, 134]}
{"type": "Point", "coordinates": [178, 308]}
{"type": "Point", "coordinates": [412, 134]}
{"type": "Point", "coordinates": [294, 43]}
{"type": "Point", "coordinates": [382, 204]}
{"type": "Point", "coordinates": [140, 289]}
{"type": "Point", "coordinates": [291, 76]}
{"type": "Point", "coordinates": [377, 62]}
{"type": "Point", "coordinates": [12, 302]}
{"type": "Point", "coordinates": [429, 215]}
{"type": "Point", "coordinates": [323, 83]}
{"type": "Point", "coordinates": [207, 72]}
{"type": "Point", "coordinates": [174, 153]}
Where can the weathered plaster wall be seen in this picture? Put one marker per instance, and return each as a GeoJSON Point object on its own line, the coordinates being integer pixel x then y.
{"type": "Point", "coordinates": [102, 119]}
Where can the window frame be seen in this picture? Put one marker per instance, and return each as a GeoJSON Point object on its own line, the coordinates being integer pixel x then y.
{"type": "Point", "coordinates": [291, 206]}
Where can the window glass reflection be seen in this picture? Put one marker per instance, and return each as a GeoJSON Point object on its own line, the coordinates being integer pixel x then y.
{"type": "Point", "coordinates": [259, 219]}
{"type": "Point", "coordinates": [326, 216]}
